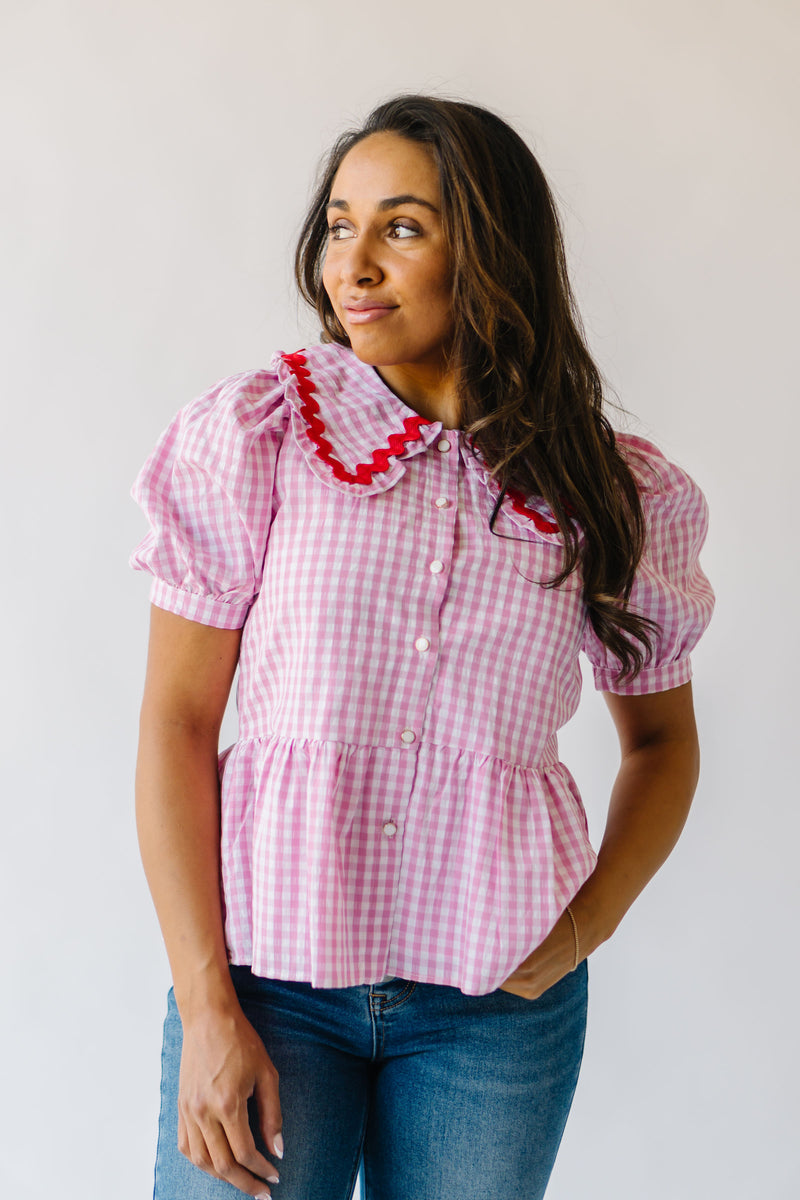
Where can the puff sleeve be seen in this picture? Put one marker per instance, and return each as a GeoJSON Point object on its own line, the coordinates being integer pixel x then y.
{"type": "Point", "coordinates": [207, 491]}
{"type": "Point", "coordinates": [670, 587]}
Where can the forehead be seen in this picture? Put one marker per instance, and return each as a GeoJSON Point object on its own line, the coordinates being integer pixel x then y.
{"type": "Point", "coordinates": [386, 164]}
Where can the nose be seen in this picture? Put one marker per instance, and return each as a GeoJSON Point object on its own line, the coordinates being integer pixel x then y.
{"type": "Point", "coordinates": [360, 264]}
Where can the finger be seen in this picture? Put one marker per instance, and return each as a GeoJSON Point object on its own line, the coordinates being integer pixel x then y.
{"type": "Point", "coordinates": [246, 1153]}
{"type": "Point", "coordinates": [270, 1118]}
{"type": "Point", "coordinates": [221, 1162]}
{"type": "Point", "coordinates": [530, 984]}
{"type": "Point", "coordinates": [517, 988]}
{"type": "Point", "coordinates": [225, 1164]}
{"type": "Point", "coordinates": [192, 1145]}
{"type": "Point", "coordinates": [183, 1137]}
{"type": "Point", "coordinates": [529, 991]}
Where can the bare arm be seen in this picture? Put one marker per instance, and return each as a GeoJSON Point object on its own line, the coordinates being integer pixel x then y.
{"type": "Point", "coordinates": [189, 672]}
{"type": "Point", "coordinates": [649, 805]}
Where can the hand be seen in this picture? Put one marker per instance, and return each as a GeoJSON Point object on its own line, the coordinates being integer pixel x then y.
{"type": "Point", "coordinates": [223, 1064]}
{"type": "Point", "coordinates": [550, 961]}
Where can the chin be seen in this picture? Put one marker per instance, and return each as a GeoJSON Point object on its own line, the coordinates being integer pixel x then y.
{"type": "Point", "coordinates": [373, 355]}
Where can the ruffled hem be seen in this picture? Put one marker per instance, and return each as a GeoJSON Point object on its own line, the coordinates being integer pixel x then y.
{"type": "Point", "coordinates": [459, 893]}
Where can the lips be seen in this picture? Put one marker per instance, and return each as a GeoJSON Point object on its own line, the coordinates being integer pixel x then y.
{"type": "Point", "coordinates": [363, 311]}
{"type": "Point", "coordinates": [363, 302]}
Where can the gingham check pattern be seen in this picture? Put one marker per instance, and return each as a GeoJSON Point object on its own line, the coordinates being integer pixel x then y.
{"type": "Point", "coordinates": [395, 804]}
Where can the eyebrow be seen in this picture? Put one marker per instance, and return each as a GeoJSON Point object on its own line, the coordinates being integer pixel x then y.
{"type": "Point", "coordinates": [389, 202]}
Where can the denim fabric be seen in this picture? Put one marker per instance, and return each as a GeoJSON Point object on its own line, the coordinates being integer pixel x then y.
{"type": "Point", "coordinates": [444, 1096]}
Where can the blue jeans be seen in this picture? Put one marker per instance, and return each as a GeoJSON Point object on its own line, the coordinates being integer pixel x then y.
{"type": "Point", "coordinates": [444, 1096]}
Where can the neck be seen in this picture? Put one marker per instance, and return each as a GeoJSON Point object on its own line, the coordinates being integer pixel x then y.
{"type": "Point", "coordinates": [431, 392]}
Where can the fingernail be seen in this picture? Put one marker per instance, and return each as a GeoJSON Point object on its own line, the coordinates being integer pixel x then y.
{"type": "Point", "coordinates": [263, 1196]}
{"type": "Point", "coordinates": [273, 1179]}
{"type": "Point", "coordinates": [277, 1142]}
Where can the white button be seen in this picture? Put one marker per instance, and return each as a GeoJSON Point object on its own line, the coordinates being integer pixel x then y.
{"type": "Point", "coordinates": [422, 644]}
{"type": "Point", "coordinates": [389, 828]}
{"type": "Point", "coordinates": [408, 736]}
{"type": "Point", "coordinates": [442, 502]}
{"type": "Point", "coordinates": [436, 567]}
{"type": "Point", "coordinates": [443, 445]}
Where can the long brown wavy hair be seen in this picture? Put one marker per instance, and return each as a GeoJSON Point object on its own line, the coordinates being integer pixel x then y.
{"type": "Point", "coordinates": [531, 398]}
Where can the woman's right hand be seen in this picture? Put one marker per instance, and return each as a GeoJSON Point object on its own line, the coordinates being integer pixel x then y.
{"type": "Point", "coordinates": [224, 1064]}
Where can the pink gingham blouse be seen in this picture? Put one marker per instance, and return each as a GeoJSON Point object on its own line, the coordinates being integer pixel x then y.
{"type": "Point", "coordinates": [395, 804]}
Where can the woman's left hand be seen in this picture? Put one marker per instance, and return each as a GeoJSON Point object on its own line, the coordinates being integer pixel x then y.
{"type": "Point", "coordinates": [550, 961]}
{"type": "Point", "coordinates": [649, 804]}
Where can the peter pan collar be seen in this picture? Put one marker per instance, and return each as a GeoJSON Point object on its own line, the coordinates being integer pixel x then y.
{"type": "Point", "coordinates": [529, 513]}
{"type": "Point", "coordinates": [356, 435]}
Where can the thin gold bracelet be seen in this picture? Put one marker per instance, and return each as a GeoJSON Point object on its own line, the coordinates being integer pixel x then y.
{"type": "Point", "coordinates": [575, 934]}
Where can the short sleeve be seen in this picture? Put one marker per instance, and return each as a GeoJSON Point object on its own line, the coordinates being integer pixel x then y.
{"type": "Point", "coordinates": [207, 491]}
{"type": "Point", "coordinates": [670, 587]}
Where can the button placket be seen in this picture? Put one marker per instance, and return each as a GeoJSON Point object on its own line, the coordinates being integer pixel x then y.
{"type": "Point", "coordinates": [437, 522]}
{"type": "Point", "coordinates": [437, 534]}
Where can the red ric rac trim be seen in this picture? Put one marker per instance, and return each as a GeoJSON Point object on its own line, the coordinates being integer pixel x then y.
{"type": "Point", "coordinates": [309, 410]}
{"type": "Point", "coordinates": [518, 504]}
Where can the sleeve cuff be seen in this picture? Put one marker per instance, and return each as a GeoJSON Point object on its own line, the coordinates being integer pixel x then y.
{"type": "Point", "coordinates": [651, 679]}
{"type": "Point", "coordinates": [206, 610]}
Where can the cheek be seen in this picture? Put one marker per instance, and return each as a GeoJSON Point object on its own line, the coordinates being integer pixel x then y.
{"type": "Point", "coordinates": [330, 274]}
{"type": "Point", "coordinates": [442, 293]}
{"type": "Point", "coordinates": [441, 285]}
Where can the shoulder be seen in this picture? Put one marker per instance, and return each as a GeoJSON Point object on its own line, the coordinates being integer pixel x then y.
{"type": "Point", "coordinates": [674, 507]}
{"type": "Point", "coordinates": [233, 429]}
{"type": "Point", "coordinates": [664, 486]}
{"type": "Point", "coordinates": [323, 394]}
{"type": "Point", "coordinates": [236, 409]}
{"type": "Point", "coordinates": [654, 473]}
{"type": "Point", "coordinates": [245, 401]}
{"type": "Point", "coordinates": [252, 402]}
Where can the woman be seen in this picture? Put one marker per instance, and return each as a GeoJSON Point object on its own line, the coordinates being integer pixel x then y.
{"type": "Point", "coordinates": [404, 537]}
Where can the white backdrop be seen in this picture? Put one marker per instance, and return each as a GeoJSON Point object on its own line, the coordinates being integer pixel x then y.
{"type": "Point", "coordinates": [156, 159]}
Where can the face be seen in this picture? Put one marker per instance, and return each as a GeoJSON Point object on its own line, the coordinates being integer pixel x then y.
{"type": "Point", "coordinates": [387, 269]}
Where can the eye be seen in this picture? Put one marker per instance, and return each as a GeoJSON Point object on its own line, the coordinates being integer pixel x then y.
{"type": "Point", "coordinates": [338, 231]}
{"type": "Point", "coordinates": [400, 230]}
